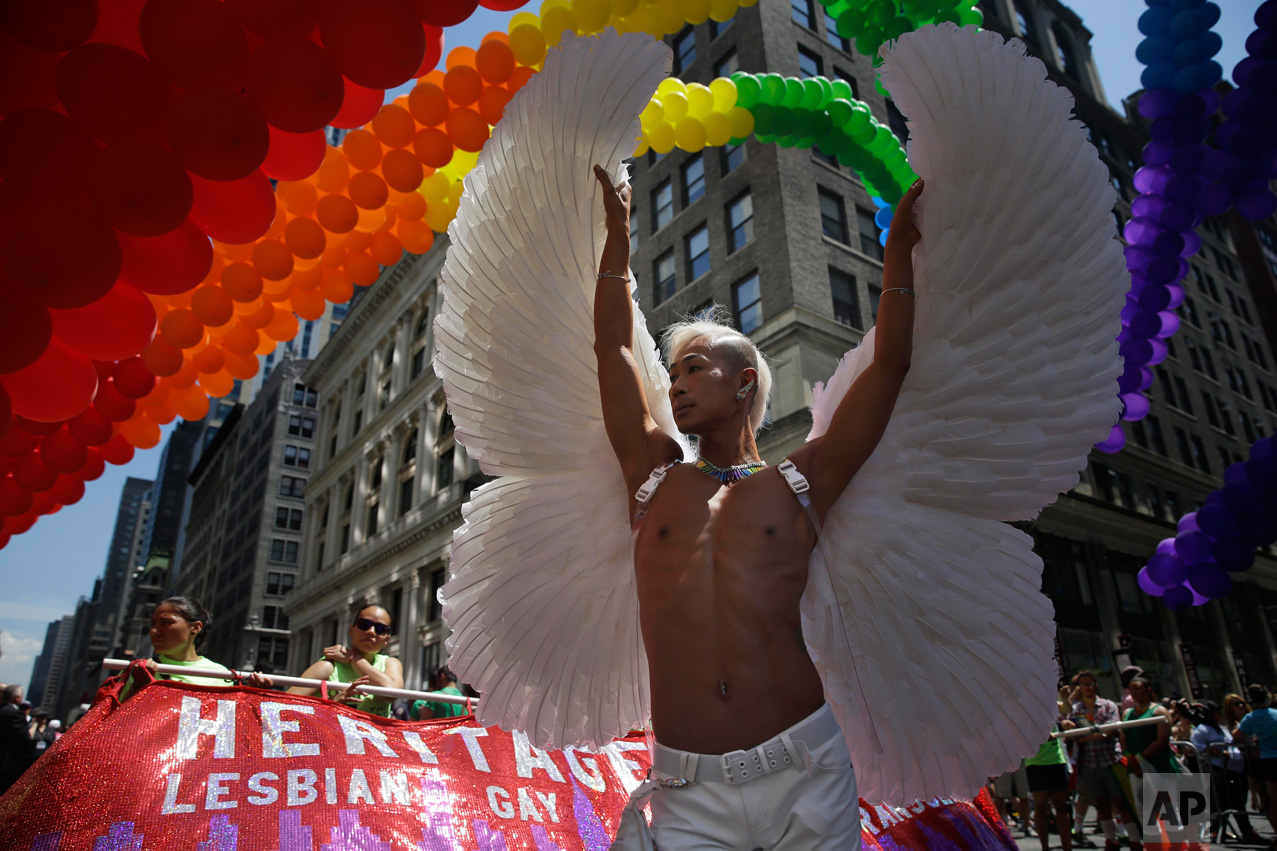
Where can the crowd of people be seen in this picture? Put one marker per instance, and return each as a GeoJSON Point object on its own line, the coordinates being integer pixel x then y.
{"type": "Point", "coordinates": [25, 734]}
{"type": "Point", "coordinates": [1233, 740]}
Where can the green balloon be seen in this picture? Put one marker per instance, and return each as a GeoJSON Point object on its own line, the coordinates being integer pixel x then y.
{"type": "Point", "coordinates": [884, 140]}
{"type": "Point", "coordinates": [812, 94]}
{"type": "Point", "coordinates": [826, 91]}
{"type": "Point", "coordinates": [821, 123]}
{"type": "Point", "coordinates": [832, 143]}
{"type": "Point", "coordinates": [862, 136]}
{"type": "Point", "coordinates": [868, 41]}
{"type": "Point", "coordinates": [841, 90]}
{"type": "Point", "coordinates": [837, 7]}
{"type": "Point", "coordinates": [839, 112]}
{"type": "Point", "coordinates": [970, 17]}
{"type": "Point", "coordinates": [747, 89]}
{"type": "Point", "coordinates": [764, 119]}
{"type": "Point", "coordinates": [861, 117]}
{"type": "Point", "coordinates": [773, 88]}
{"type": "Point", "coordinates": [850, 23]}
{"type": "Point", "coordinates": [794, 92]}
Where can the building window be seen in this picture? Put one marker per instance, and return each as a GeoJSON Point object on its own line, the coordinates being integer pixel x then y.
{"type": "Point", "coordinates": [423, 324]}
{"type": "Point", "coordinates": [301, 426]}
{"type": "Point", "coordinates": [332, 440]}
{"type": "Point", "coordinates": [732, 156]}
{"type": "Point", "coordinates": [283, 551]}
{"type": "Point", "coordinates": [418, 361]}
{"type": "Point", "coordinates": [717, 28]}
{"type": "Point", "coordinates": [1064, 53]}
{"type": "Point", "coordinates": [869, 234]}
{"type": "Point", "coordinates": [684, 49]}
{"type": "Point", "coordinates": [875, 295]}
{"type": "Point", "coordinates": [384, 398]}
{"type": "Point", "coordinates": [292, 486]}
{"type": "Point", "coordinates": [850, 80]}
{"type": "Point", "coordinates": [297, 456]}
{"type": "Point", "coordinates": [846, 300]}
{"type": "Point", "coordinates": [443, 470]}
{"type": "Point", "coordinates": [1181, 442]}
{"type": "Point", "coordinates": [897, 122]}
{"type": "Point", "coordinates": [273, 617]}
{"type": "Point", "coordinates": [1185, 401]}
{"type": "Point", "coordinates": [809, 64]}
{"type": "Point", "coordinates": [1023, 24]}
{"type": "Point", "coordinates": [697, 252]}
{"type": "Point", "coordinates": [662, 205]}
{"type": "Point", "coordinates": [748, 303]}
{"type": "Point", "coordinates": [801, 13]}
{"type": "Point", "coordinates": [727, 66]}
{"type": "Point", "coordinates": [279, 584]}
{"type": "Point", "coordinates": [303, 395]}
{"type": "Point", "coordinates": [1155, 432]}
{"type": "Point", "coordinates": [831, 34]}
{"type": "Point", "coordinates": [1199, 455]}
{"type": "Point", "coordinates": [407, 471]}
{"type": "Point", "coordinates": [693, 172]}
{"type": "Point", "coordinates": [740, 222]}
{"type": "Point", "coordinates": [664, 275]}
{"type": "Point", "coordinates": [289, 518]}
{"type": "Point", "coordinates": [833, 216]}
{"type": "Point", "coordinates": [358, 424]}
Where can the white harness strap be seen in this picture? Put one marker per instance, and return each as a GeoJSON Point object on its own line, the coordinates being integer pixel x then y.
{"type": "Point", "coordinates": [798, 484]}
{"type": "Point", "coordinates": [644, 494]}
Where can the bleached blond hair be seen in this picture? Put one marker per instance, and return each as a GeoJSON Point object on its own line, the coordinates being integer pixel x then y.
{"type": "Point", "coordinates": [722, 338]}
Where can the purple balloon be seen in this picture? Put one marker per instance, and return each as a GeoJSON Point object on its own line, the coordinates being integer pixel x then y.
{"type": "Point", "coordinates": [1216, 520]}
{"type": "Point", "coordinates": [1114, 442]}
{"type": "Point", "coordinates": [1169, 243]}
{"type": "Point", "coordinates": [1210, 101]}
{"type": "Point", "coordinates": [1155, 103]}
{"type": "Point", "coordinates": [1137, 351]}
{"type": "Point", "coordinates": [1193, 546]}
{"type": "Point", "coordinates": [1192, 243]}
{"type": "Point", "coordinates": [1166, 547]}
{"type": "Point", "coordinates": [1166, 570]}
{"type": "Point", "coordinates": [1160, 351]}
{"type": "Point", "coordinates": [1148, 206]}
{"type": "Point", "coordinates": [1213, 199]}
{"type": "Point", "coordinates": [1128, 380]}
{"type": "Point", "coordinates": [1179, 217]}
{"type": "Point", "coordinates": [1137, 258]}
{"type": "Point", "coordinates": [1154, 298]}
{"type": "Point", "coordinates": [1146, 378]}
{"type": "Point", "coordinates": [1256, 528]}
{"type": "Point", "coordinates": [1152, 179]}
{"type": "Point", "coordinates": [1209, 581]}
{"type": "Point", "coordinates": [1188, 522]}
{"type": "Point", "coordinates": [1145, 324]}
{"type": "Point", "coordinates": [1232, 553]}
{"type": "Point", "coordinates": [1141, 231]}
{"type": "Point", "coordinates": [1163, 270]}
{"type": "Point", "coordinates": [1256, 203]}
{"type": "Point", "coordinates": [1170, 323]}
{"type": "Point", "coordinates": [1147, 585]}
{"type": "Point", "coordinates": [1177, 598]}
{"type": "Point", "coordinates": [1177, 295]}
{"type": "Point", "coordinates": [1137, 406]}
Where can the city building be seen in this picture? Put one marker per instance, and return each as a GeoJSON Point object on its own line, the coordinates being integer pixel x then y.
{"type": "Point", "coordinates": [387, 488]}
{"type": "Point", "coordinates": [244, 532]}
{"type": "Point", "coordinates": [46, 672]}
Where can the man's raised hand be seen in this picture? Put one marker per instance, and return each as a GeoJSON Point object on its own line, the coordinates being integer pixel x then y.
{"type": "Point", "coordinates": [904, 234]}
{"type": "Point", "coordinates": [616, 199]}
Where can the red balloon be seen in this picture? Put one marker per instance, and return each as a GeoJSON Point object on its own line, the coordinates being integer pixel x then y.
{"type": "Point", "coordinates": [277, 17]}
{"type": "Point", "coordinates": [111, 404]}
{"type": "Point", "coordinates": [19, 524]}
{"type": "Point", "coordinates": [503, 5]}
{"type": "Point", "coordinates": [236, 212]}
{"type": "Point", "coordinates": [93, 467]}
{"type": "Point", "coordinates": [116, 326]}
{"type": "Point", "coordinates": [90, 427]}
{"type": "Point", "coordinates": [44, 502]}
{"type": "Point", "coordinates": [17, 441]}
{"type": "Point", "coordinates": [14, 498]}
{"type": "Point", "coordinates": [62, 452]}
{"type": "Point", "coordinates": [61, 255]}
{"type": "Point", "coordinates": [52, 25]}
{"type": "Point", "coordinates": [59, 385]}
{"type": "Point", "coordinates": [377, 43]}
{"type": "Point", "coordinates": [111, 91]}
{"type": "Point", "coordinates": [140, 187]}
{"type": "Point", "coordinates": [168, 264]}
{"type": "Point", "coordinates": [295, 83]}
{"type": "Point", "coordinates": [43, 154]}
{"type": "Point", "coordinates": [117, 451]}
{"type": "Point", "coordinates": [26, 77]}
{"type": "Point", "coordinates": [194, 42]}
{"type": "Point", "coordinates": [434, 49]}
{"type": "Point", "coordinates": [31, 472]}
{"type": "Point", "coordinates": [68, 490]}
{"type": "Point", "coordinates": [445, 13]}
{"type": "Point", "coordinates": [25, 330]}
{"type": "Point", "coordinates": [133, 379]}
{"type": "Point", "coordinates": [117, 24]}
{"type": "Point", "coordinates": [294, 156]}
{"type": "Point", "coordinates": [36, 427]}
{"type": "Point", "coordinates": [218, 134]}
{"type": "Point", "coordinates": [358, 106]}
{"type": "Point", "coordinates": [6, 416]}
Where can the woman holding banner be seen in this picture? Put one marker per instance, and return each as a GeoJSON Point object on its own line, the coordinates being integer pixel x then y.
{"type": "Point", "coordinates": [360, 663]}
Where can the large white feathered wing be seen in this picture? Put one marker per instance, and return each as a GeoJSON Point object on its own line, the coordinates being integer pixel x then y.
{"type": "Point", "coordinates": [1020, 281]}
{"type": "Point", "coordinates": [541, 600]}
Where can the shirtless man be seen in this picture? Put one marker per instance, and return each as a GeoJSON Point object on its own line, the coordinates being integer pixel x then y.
{"type": "Point", "coordinates": [748, 754]}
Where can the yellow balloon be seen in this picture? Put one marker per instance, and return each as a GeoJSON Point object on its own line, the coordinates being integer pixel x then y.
{"type": "Point", "coordinates": [722, 10]}
{"type": "Point", "coordinates": [661, 138]}
{"type": "Point", "coordinates": [670, 14]}
{"type": "Point", "coordinates": [745, 4]}
{"type": "Point", "coordinates": [461, 164]}
{"type": "Point", "coordinates": [700, 100]}
{"type": "Point", "coordinates": [675, 106]}
{"type": "Point", "coordinates": [670, 84]}
{"type": "Point", "coordinates": [690, 134]}
{"type": "Point", "coordinates": [439, 216]}
{"type": "Point", "coordinates": [556, 21]}
{"type": "Point", "coordinates": [435, 187]}
{"type": "Point", "coordinates": [724, 91]}
{"type": "Point", "coordinates": [652, 114]}
{"type": "Point", "coordinates": [623, 8]}
{"type": "Point", "coordinates": [523, 19]}
{"type": "Point", "coordinates": [644, 20]}
{"type": "Point", "coordinates": [695, 11]}
{"type": "Point", "coordinates": [642, 148]}
{"type": "Point", "coordinates": [742, 121]}
{"type": "Point", "coordinates": [454, 193]}
{"type": "Point", "coordinates": [718, 129]}
{"type": "Point", "coordinates": [591, 15]}
{"type": "Point", "coordinates": [527, 43]}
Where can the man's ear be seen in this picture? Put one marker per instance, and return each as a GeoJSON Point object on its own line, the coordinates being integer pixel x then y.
{"type": "Point", "coordinates": [748, 375]}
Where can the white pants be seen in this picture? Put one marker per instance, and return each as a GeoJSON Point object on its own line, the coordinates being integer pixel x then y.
{"type": "Point", "coordinates": [809, 804]}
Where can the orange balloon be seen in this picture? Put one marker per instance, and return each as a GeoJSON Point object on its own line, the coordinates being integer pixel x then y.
{"type": "Point", "coordinates": [460, 57]}
{"type": "Point", "coordinates": [182, 299]}
{"type": "Point", "coordinates": [265, 344]}
{"type": "Point", "coordinates": [305, 238]}
{"type": "Point", "coordinates": [362, 269]}
{"type": "Point", "coordinates": [243, 308]}
{"type": "Point", "coordinates": [415, 236]}
{"type": "Point", "coordinates": [140, 432]}
{"type": "Point", "coordinates": [242, 282]}
{"type": "Point", "coordinates": [209, 361]}
{"type": "Point", "coordinates": [467, 129]}
{"type": "Point", "coordinates": [192, 402]}
{"type": "Point", "coordinates": [433, 147]}
{"type": "Point", "coordinates": [276, 290]}
{"type": "Point", "coordinates": [428, 104]}
{"type": "Point", "coordinates": [402, 170]}
{"type": "Point", "coordinates": [307, 279]}
{"type": "Point", "coordinates": [157, 395]}
{"type": "Point", "coordinates": [240, 340]}
{"type": "Point", "coordinates": [367, 190]}
{"type": "Point", "coordinates": [242, 367]}
{"type": "Point", "coordinates": [162, 357]}
{"type": "Point", "coordinates": [494, 61]}
{"type": "Point", "coordinates": [216, 385]}
{"type": "Point", "coordinates": [358, 241]}
{"type": "Point", "coordinates": [213, 306]}
{"type": "Point", "coordinates": [385, 249]}
{"type": "Point", "coordinates": [234, 252]}
{"type": "Point", "coordinates": [333, 257]}
{"type": "Point", "coordinates": [182, 328]}
{"type": "Point", "coordinates": [411, 207]}
{"type": "Point", "coordinates": [160, 414]}
{"type": "Point", "coordinates": [308, 304]}
{"type": "Point", "coordinates": [298, 197]}
{"type": "Point", "coordinates": [336, 287]}
{"type": "Point", "coordinates": [520, 76]}
{"type": "Point", "coordinates": [272, 259]}
{"type": "Point", "coordinates": [337, 213]}
{"type": "Point", "coordinates": [333, 172]}
{"type": "Point", "coordinates": [261, 317]}
{"type": "Point", "coordinates": [362, 149]}
{"type": "Point", "coordinates": [184, 377]}
{"type": "Point", "coordinates": [394, 126]}
{"type": "Point", "coordinates": [492, 103]}
{"type": "Point", "coordinates": [462, 84]}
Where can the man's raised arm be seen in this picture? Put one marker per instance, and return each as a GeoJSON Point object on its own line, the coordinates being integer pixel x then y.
{"type": "Point", "coordinates": [861, 417]}
{"type": "Point", "coordinates": [637, 441]}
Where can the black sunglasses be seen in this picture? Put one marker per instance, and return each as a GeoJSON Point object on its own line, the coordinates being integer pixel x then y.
{"type": "Point", "coordinates": [365, 624]}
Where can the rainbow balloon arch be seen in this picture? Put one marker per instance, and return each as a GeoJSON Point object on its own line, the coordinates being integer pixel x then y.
{"type": "Point", "coordinates": [147, 260]}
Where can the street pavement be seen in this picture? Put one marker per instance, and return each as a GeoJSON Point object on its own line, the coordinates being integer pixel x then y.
{"type": "Point", "coordinates": [1031, 843]}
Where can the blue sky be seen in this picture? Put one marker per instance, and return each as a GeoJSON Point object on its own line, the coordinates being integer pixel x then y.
{"type": "Point", "coordinates": [53, 564]}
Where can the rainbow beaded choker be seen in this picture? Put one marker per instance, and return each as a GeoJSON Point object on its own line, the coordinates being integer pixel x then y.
{"type": "Point", "coordinates": [729, 475]}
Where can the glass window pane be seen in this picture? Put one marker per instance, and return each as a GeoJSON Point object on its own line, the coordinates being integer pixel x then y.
{"type": "Point", "coordinates": [740, 222]}
{"type": "Point", "coordinates": [662, 205]}
{"type": "Point", "coordinates": [664, 275]}
{"type": "Point", "coordinates": [727, 66]}
{"type": "Point", "coordinates": [801, 12]}
{"type": "Point", "coordinates": [698, 253]}
{"type": "Point", "coordinates": [833, 221]}
{"type": "Point", "coordinates": [869, 232]}
{"type": "Point", "coordinates": [684, 49]}
{"type": "Point", "coordinates": [733, 156]}
{"type": "Point", "coordinates": [749, 310]}
{"type": "Point", "coordinates": [831, 33]}
{"type": "Point", "coordinates": [809, 64]}
{"type": "Point", "coordinates": [693, 179]}
{"type": "Point", "coordinates": [842, 287]}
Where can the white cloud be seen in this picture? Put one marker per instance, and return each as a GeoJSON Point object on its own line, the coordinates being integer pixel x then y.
{"type": "Point", "coordinates": [19, 652]}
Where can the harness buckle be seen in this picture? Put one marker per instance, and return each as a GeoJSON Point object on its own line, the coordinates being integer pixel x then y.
{"type": "Point", "coordinates": [797, 481]}
{"type": "Point", "coordinates": [649, 487]}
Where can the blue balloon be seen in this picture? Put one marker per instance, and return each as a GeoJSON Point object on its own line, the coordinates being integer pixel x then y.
{"type": "Point", "coordinates": [1232, 553]}
{"type": "Point", "coordinates": [1197, 77]}
{"type": "Point", "coordinates": [1158, 76]}
{"type": "Point", "coordinates": [1188, 24]}
{"type": "Point", "coordinates": [1156, 21]}
{"type": "Point", "coordinates": [1179, 5]}
{"type": "Point", "coordinates": [882, 239]}
{"type": "Point", "coordinates": [1209, 581]}
{"type": "Point", "coordinates": [1196, 50]}
{"type": "Point", "coordinates": [882, 218]}
{"type": "Point", "coordinates": [1155, 48]}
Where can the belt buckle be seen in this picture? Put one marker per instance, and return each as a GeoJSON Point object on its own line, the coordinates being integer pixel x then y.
{"type": "Point", "coordinates": [736, 767]}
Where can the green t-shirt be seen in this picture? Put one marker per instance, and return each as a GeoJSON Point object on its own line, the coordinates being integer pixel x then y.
{"type": "Point", "coordinates": [370, 703]}
{"type": "Point", "coordinates": [441, 710]}
{"type": "Point", "coordinates": [1051, 753]}
{"type": "Point", "coordinates": [201, 662]}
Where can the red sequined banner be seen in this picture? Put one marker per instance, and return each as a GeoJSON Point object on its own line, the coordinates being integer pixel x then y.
{"type": "Point", "coordinates": [191, 768]}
